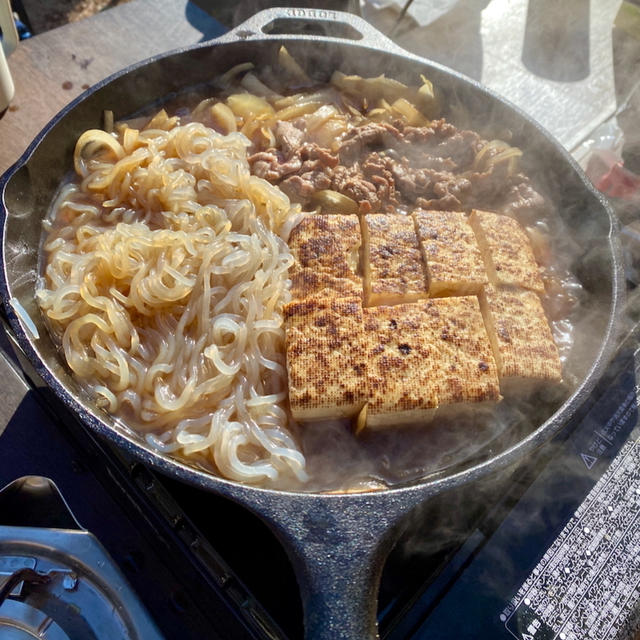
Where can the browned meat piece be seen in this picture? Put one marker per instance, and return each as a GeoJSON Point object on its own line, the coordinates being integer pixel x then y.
{"type": "Point", "coordinates": [301, 188]}
{"type": "Point", "coordinates": [351, 183]}
{"type": "Point", "coordinates": [368, 137]}
{"type": "Point", "coordinates": [271, 165]}
{"type": "Point", "coordinates": [288, 137]}
{"type": "Point", "coordinates": [441, 141]}
{"type": "Point", "coordinates": [274, 165]}
{"type": "Point", "coordinates": [523, 201]}
{"type": "Point", "coordinates": [384, 167]}
{"type": "Point", "coordinates": [411, 183]}
{"type": "Point", "coordinates": [422, 160]}
{"type": "Point", "coordinates": [447, 194]}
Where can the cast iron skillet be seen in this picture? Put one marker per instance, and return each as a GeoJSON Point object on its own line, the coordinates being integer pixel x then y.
{"type": "Point", "coordinates": [337, 543]}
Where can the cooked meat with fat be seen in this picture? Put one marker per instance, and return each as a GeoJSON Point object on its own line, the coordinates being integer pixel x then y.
{"type": "Point", "coordinates": [325, 358]}
{"type": "Point", "coordinates": [394, 270]}
{"type": "Point", "coordinates": [385, 166]}
{"type": "Point", "coordinates": [288, 137]}
{"type": "Point", "coordinates": [453, 259]}
{"type": "Point", "coordinates": [326, 253]}
{"type": "Point", "coordinates": [275, 165]}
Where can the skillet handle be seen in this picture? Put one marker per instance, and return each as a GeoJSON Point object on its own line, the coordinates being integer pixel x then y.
{"type": "Point", "coordinates": [291, 22]}
{"type": "Point", "coordinates": [338, 545]}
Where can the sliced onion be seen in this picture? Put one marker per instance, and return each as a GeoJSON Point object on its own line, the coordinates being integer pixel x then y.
{"type": "Point", "coordinates": [227, 77]}
{"type": "Point", "coordinates": [254, 85]}
{"type": "Point", "coordinates": [224, 117]}
{"type": "Point", "coordinates": [334, 202]}
{"type": "Point", "coordinates": [289, 64]}
{"type": "Point", "coordinates": [409, 112]}
{"type": "Point", "coordinates": [248, 106]}
{"type": "Point", "coordinates": [297, 110]}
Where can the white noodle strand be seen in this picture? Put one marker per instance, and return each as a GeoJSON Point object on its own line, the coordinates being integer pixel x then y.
{"type": "Point", "coordinates": [165, 279]}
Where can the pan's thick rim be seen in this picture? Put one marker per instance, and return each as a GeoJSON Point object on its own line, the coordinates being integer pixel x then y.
{"type": "Point", "coordinates": [247, 493]}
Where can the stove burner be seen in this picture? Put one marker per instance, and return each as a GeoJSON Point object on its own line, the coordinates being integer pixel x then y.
{"type": "Point", "coordinates": [20, 621]}
{"type": "Point", "coordinates": [59, 584]}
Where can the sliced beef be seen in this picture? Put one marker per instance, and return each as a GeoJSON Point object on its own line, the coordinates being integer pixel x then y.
{"type": "Point", "coordinates": [449, 194]}
{"type": "Point", "coordinates": [289, 138]}
{"type": "Point", "coordinates": [300, 188]}
{"type": "Point", "coordinates": [522, 200]}
{"type": "Point", "coordinates": [350, 182]}
{"type": "Point", "coordinates": [384, 167]}
{"type": "Point", "coordinates": [369, 137]}
{"type": "Point", "coordinates": [274, 165]}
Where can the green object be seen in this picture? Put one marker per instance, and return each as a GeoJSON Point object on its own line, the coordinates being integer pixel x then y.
{"type": "Point", "coordinates": [628, 19]}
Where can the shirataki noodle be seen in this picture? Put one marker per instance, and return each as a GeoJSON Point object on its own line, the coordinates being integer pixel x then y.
{"type": "Point", "coordinates": [165, 280]}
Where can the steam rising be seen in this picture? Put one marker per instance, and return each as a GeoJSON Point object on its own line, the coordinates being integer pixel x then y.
{"type": "Point", "coordinates": [577, 305]}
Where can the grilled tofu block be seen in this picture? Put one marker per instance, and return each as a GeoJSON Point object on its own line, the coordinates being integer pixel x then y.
{"type": "Point", "coordinates": [426, 356]}
{"type": "Point", "coordinates": [466, 371]}
{"type": "Point", "coordinates": [401, 362]}
{"type": "Point", "coordinates": [325, 358]}
{"type": "Point", "coordinates": [454, 262]}
{"type": "Point", "coordinates": [506, 250]}
{"type": "Point", "coordinates": [520, 336]}
{"type": "Point", "coordinates": [394, 270]}
{"type": "Point", "coordinates": [326, 252]}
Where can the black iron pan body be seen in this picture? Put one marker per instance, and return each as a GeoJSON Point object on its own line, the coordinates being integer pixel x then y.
{"type": "Point", "coordinates": [337, 543]}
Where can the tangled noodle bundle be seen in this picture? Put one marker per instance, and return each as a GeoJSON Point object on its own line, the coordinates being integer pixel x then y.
{"type": "Point", "coordinates": [165, 279]}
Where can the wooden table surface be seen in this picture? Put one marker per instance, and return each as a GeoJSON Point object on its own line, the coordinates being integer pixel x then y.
{"type": "Point", "coordinates": [51, 69]}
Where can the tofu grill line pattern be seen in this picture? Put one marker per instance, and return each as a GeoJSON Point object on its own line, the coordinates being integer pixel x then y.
{"type": "Point", "coordinates": [442, 352]}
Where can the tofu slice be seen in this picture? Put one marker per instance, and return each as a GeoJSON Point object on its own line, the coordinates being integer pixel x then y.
{"type": "Point", "coordinates": [506, 250]}
{"type": "Point", "coordinates": [454, 263]}
{"type": "Point", "coordinates": [394, 270]}
{"type": "Point", "coordinates": [401, 362]}
{"type": "Point", "coordinates": [427, 356]}
{"type": "Point", "coordinates": [466, 371]}
{"type": "Point", "coordinates": [520, 336]}
{"type": "Point", "coordinates": [326, 250]}
{"type": "Point", "coordinates": [325, 358]}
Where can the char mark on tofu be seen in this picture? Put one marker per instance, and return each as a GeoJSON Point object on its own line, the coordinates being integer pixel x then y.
{"type": "Point", "coordinates": [425, 356]}
{"type": "Point", "coordinates": [326, 257]}
{"type": "Point", "coordinates": [400, 365]}
{"type": "Point", "coordinates": [451, 253]}
{"type": "Point", "coordinates": [394, 271]}
{"type": "Point", "coordinates": [520, 335]}
{"type": "Point", "coordinates": [466, 371]}
{"type": "Point", "coordinates": [507, 251]}
{"type": "Point", "coordinates": [325, 358]}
